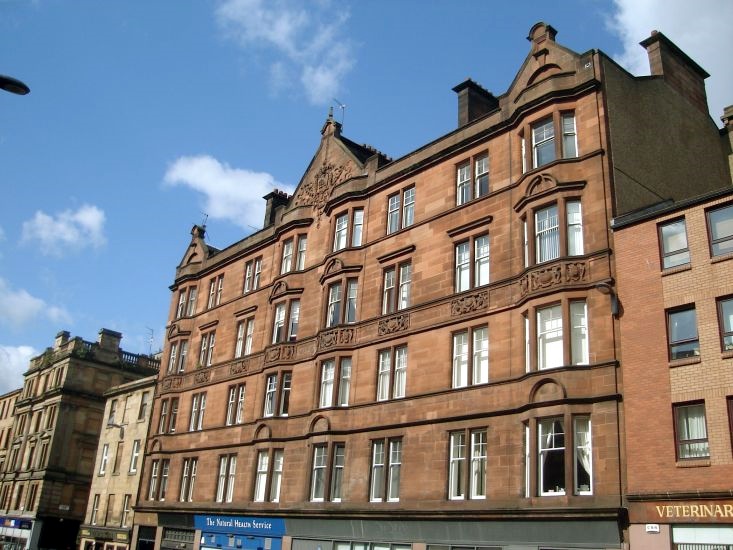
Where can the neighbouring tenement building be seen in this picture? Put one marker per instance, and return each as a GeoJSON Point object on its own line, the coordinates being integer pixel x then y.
{"type": "Point", "coordinates": [674, 264]}
{"type": "Point", "coordinates": [423, 353]}
{"type": "Point", "coordinates": [57, 420]}
{"type": "Point", "coordinates": [116, 480]}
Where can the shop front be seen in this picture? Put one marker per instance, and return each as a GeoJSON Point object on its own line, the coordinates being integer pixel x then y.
{"type": "Point", "coordinates": [92, 538]}
{"type": "Point", "coordinates": [681, 525]}
{"type": "Point", "coordinates": [239, 532]}
{"type": "Point", "coordinates": [14, 533]}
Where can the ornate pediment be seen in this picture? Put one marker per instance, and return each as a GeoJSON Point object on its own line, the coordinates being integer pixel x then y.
{"type": "Point", "coordinates": [317, 189]}
{"type": "Point", "coordinates": [336, 266]}
{"type": "Point", "coordinates": [543, 185]}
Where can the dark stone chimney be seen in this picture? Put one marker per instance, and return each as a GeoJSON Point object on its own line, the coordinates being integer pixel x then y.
{"type": "Point", "coordinates": [678, 70]}
{"type": "Point", "coordinates": [473, 102]}
{"type": "Point", "coordinates": [275, 201]}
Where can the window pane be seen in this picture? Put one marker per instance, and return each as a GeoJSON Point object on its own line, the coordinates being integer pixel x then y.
{"type": "Point", "coordinates": [579, 333]}
{"type": "Point", "coordinates": [721, 230]}
{"type": "Point", "coordinates": [583, 457]}
{"type": "Point", "coordinates": [405, 281]}
{"type": "Point", "coordinates": [463, 184]}
{"type": "Point", "coordinates": [481, 254]}
{"type": "Point", "coordinates": [543, 143]}
{"type": "Point", "coordinates": [575, 228]}
{"type": "Point", "coordinates": [462, 267]}
{"type": "Point", "coordinates": [482, 176]}
{"type": "Point", "coordinates": [327, 374]}
{"type": "Point", "coordinates": [683, 340]}
{"type": "Point", "coordinates": [549, 338]}
{"type": "Point", "coordinates": [460, 360]}
{"type": "Point", "coordinates": [388, 296]}
{"type": "Point", "coordinates": [480, 355]}
{"type": "Point", "coordinates": [393, 213]}
{"type": "Point", "coordinates": [384, 375]}
{"type": "Point", "coordinates": [547, 234]}
{"type": "Point", "coordinates": [692, 434]}
{"type": "Point", "coordinates": [457, 460]}
{"type": "Point", "coordinates": [726, 323]}
{"type": "Point", "coordinates": [377, 481]}
{"type": "Point", "coordinates": [551, 456]}
{"type": "Point", "coordinates": [400, 372]}
{"type": "Point", "coordinates": [395, 466]}
{"type": "Point", "coordinates": [356, 234]}
{"type": "Point", "coordinates": [569, 141]}
{"type": "Point", "coordinates": [674, 244]}
{"type": "Point", "coordinates": [408, 207]}
{"type": "Point", "coordinates": [478, 464]}
{"type": "Point", "coordinates": [344, 382]}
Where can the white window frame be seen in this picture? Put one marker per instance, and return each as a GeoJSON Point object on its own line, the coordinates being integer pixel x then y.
{"type": "Point", "coordinates": [287, 257]}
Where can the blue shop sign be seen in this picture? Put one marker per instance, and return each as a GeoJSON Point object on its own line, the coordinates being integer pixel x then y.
{"type": "Point", "coordinates": [240, 525]}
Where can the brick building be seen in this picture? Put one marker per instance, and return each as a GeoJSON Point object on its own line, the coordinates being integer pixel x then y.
{"type": "Point", "coordinates": [675, 282]}
{"type": "Point", "coordinates": [423, 352]}
{"type": "Point", "coordinates": [116, 481]}
{"type": "Point", "coordinates": [58, 416]}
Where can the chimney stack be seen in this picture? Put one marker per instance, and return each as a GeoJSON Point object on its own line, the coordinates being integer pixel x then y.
{"type": "Point", "coordinates": [678, 70]}
{"type": "Point", "coordinates": [275, 201]}
{"type": "Point", "coordinates": [473, 102]}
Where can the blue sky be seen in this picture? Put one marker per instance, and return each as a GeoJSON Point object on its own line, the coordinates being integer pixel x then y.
{"type": "Point", "coordinates": [146, 116]}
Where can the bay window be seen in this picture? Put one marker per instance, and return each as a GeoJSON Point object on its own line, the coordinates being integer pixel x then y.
{"type": "Point", "coordinates": [552, 443]}
{"type": "Point", "coordinates": [554, 346]}
{"type": "Point", "coordinates": [547, 225]}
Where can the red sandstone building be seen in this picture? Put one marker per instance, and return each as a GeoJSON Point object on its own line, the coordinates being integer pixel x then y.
{"type": "Point", "coordinates": [424, 352]}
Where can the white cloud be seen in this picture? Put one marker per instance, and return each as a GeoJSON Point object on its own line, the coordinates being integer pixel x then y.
{"type": "Point", "coordinates": [232, 194]}
{"type": "Point", "coordinates": [20, 307]}
{"type": "Point", "coordinates": [310, 43]}
{"type": "Point", "coordinates": [14, 361]}
{"type": "Point", "coordinates": [67, 231]}
{"type": "Point", "coordinates": [700, 29]}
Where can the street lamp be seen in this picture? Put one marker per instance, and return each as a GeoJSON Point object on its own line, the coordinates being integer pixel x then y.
{"type": "Point", "coordinates": [13, 85]}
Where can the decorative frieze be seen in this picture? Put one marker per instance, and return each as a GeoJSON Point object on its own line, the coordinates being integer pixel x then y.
{"type": "Point", "coordinates": [282, 352]}
{"type": "Point", "coordinates": [394, 324]}
{"type": "Point", "coordinates": [551, 276]}
{"type": "Point", "coordinates": [336, 337]}
{"type": "Point", "coordinates": [172, 383]}
{"type": "Point", "coordinates": [470, 303]}
{"type": "Point", "coordinates": [202, 377]}
{"type": "Point", "coordinates": [240, 367]}
{"type": "Point", "coordinates": [316, 192]}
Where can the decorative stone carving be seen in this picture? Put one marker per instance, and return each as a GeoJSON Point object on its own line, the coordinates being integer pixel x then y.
{"type": "Point", "coordinates": [239, 367]}
{"type": "Point", "coordinates": [282, 352]}
{"type": "Point", "coordinates": [394, 324]}
{"type": "Point", "coordinates": [554, 275]}
{"type": "Point", "coordinates": [317, 191]}
{"type": "Point", "coordinates": [340, 336]}
{"type": "Point", "coordinates": [202, 377]}
{"type": "Point", "coordinates": [575, 272]}
{"type": "Point", "coordinates": [172, 383]}
{"type": "Point", "coordinates": [470, 303]}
